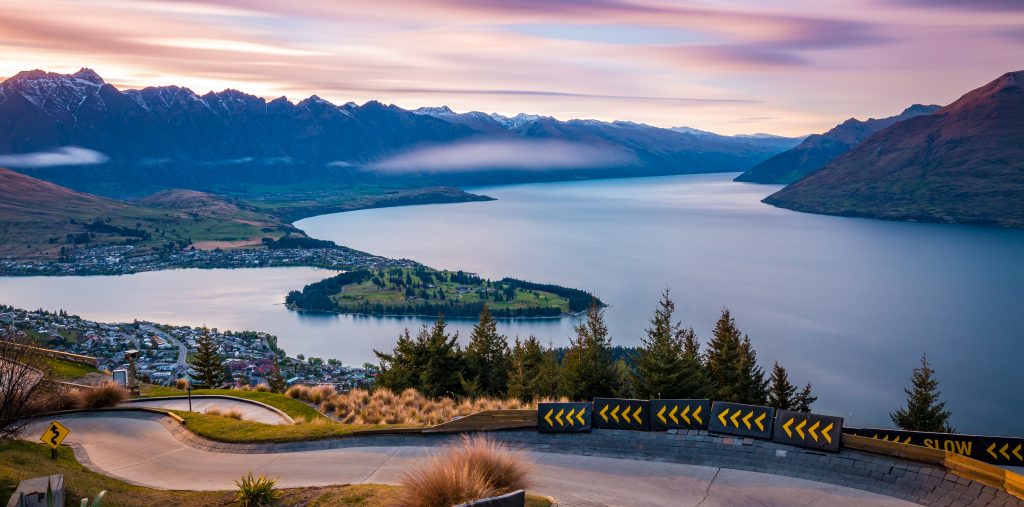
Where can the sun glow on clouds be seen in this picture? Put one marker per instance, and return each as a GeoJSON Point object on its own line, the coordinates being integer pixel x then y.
{"type": "Point", "coordinates": [730, 66]}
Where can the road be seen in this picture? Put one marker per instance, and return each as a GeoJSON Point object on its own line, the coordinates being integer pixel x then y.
{"type": "Point", "coordinates": [182, 349]}
{"type": "Point", "coordinates": [201, 404]}
{"type": "Point", "coordinates": [143, 452]}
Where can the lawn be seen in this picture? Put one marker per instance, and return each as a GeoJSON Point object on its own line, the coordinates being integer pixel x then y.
{"type": "Point", "coordinates": [226, 429]}
{"type": "Point", "coordinates": [60, 369]}
{"type": "Point", "coordinates": [294, 408]}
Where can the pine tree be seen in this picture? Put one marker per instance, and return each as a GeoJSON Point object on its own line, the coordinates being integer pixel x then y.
{"type": "Point", "coordinates": [781, 393]}
{"type": "Point", "coordinates": [400, 369]}
{"type": "Point", "coordinates": [732, 365]}
{"type": "Point", "coordinates": [443, 361]}
{"type": "Point", "coordinates": [207, 362]}
{"type": "Point", "coordinates": [487, 358]}
{"type": "Point", "coordinates": [665, 368]}
{"type": "Point", "coordinates": [533, 372]}
{"type": "Point", "coordinates": [924, 411]}
{"type": "Point", "coordinates": [804, 399]}
{"type": "Point", "coordinates": [276, 381]}
{"type": "Point", "coordinates": [588, 369]}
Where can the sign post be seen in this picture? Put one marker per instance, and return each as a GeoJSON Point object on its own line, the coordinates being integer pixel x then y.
{"type": "Point", "coordinates": [53, 436]}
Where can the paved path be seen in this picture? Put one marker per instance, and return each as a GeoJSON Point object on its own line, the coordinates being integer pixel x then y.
{"type": "Point", "coordinates": [142, 451]}
{"type": "Point", "coordinates": [250, 411]}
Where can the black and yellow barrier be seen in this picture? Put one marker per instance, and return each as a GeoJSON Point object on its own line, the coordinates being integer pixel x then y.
{"type": "Point", "coordinates": [814, 431]}
{"type": "Point", "coordinates": [743, 420]}
{"type": "Point", "coordinates": [564, 417]}
{"type": "Point", "coordinates": [622, 414]}
{"type": "Point", "coordinates": [1005, 451]}
{"type": "Point", "coordinates": [680, 414]}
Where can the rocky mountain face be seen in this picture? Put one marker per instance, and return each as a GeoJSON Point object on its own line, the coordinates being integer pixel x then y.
{"type": "Point", "coordinates": [820, 149]}
{"type": "Point", "coordinates": [961, 164]}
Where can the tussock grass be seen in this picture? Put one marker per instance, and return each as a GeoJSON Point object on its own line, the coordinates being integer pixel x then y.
{"type": "Point", "coordinates": [256, 491]}
{"type": "Point", "coordinates": [181, 384]}
{"type": "Point", "coordinates": [105, 395]}
{"type": "Point", "coordinates": [478, 468]}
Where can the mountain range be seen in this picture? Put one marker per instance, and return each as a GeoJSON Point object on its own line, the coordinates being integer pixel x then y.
{"type": "Point", "coordinates": [961, 164]}
{"type": "Point", "coordinates": [140, 141]}
{"type": "Point", "coordinates": [820, 149]}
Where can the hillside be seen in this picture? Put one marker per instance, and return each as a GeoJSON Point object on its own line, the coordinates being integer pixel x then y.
{"type": "Point", "coordinates": [39, 220]}
{"type": "Point", "coordinates": [961, 164]}
{"type": "Point", "coordinates": [820, 149]}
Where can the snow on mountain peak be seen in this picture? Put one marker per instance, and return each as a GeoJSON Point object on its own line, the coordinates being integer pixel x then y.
{"type": "Point", "coordinates": [515, 122]}
{"type": "Point", "coordinates": [434, 111]}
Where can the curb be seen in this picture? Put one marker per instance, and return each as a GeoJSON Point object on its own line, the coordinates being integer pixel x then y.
{"type": "Point", "coordinates": [275, 410]}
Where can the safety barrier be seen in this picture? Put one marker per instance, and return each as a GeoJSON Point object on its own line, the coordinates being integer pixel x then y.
{"type": "Point", "coordinates": [1006, 451]}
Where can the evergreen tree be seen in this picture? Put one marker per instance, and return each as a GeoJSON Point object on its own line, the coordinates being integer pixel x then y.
{"type": "Point", "coordinates": [588, 369]}
{"type": "Point", "coordinates": [804, 399]}
{"type": "Point", "coordinates": [275, 381]}
{"type": "Point", "coordinates": [487, 358]}
{"type": "Point", "coordinates": [533, 371]}
{"type": "Point", "coordinates": [665, 367]}
{"type": "Point", "coordinates": [924, 411]}
{"type": "Point", "coordinates": [207, 362]}
{"type": "Point", "coordinates": [443, 364]}
{"type": "Point", "coordinates": [781, 393]}
{"type": "Point", "coordinates": [732, 365]}
{"type": "Point", "coordinates": [401, 369]}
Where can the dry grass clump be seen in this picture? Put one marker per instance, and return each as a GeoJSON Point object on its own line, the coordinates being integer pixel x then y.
{"type": "Point", "coordinates": [234, 414]}
{"type": "Point", "coordinates": [105, 395]}
{"type": "Point", "coordinates": [181, 384]}
{"type": "Point", "coordinates": [262, 388]}
{"type": "Point", "coordinates": [383, 406]}
{"type": "Point", "coordinates": [479, 468]}
{"type": "Point", "coordinates": [213, 411]}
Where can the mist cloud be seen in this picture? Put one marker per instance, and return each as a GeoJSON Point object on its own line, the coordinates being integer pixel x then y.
{"type": "Point", "coordinates": [512, 154]}
{"type": "Point", "coordinates": [65, 155]}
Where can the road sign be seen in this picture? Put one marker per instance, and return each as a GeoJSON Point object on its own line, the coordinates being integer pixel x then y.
{"type": "Point", "coordinates": [743, 420]}
{"type": "Point", "coordinates": [621, 414]}
{"type": "Point", "coordinates": [55, 434]}
{"type": "Point", "coordinates": [563, 417]}
{"type": "Point", "coordinates": [823, 432]}
{"type": "Point", "coordinates": [680, 414]}
{"type": "Point", "coordinates": [1004, 451]}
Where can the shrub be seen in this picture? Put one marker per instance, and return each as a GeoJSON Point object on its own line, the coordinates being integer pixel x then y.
{"type": "Point", "coordinates": [213, 411]}
{"type": "Point", "coordinates": [106, 395]}
{"type": "Point", "coordinates": [382, 406]}
{"type": "Point", "coordinates": [181, 384]}
{"type": "Point", "coordinates": [262, 388]}
{"type": "Point", "coordinates": [321, 393]}
{"type": "Point", "coordinates": [255, 491]}
{"type": "Point", "coordinates": [298, 392]}
{"type": "Point", "coordinates": [477, 469]}
{"type": "Point", "coordinates": [234, 414]}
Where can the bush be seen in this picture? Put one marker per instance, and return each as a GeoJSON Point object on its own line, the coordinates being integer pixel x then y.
{"type": "Point", "coordinates": [382, 406]}
{"type": "Point", "coordinates": [262, 388]}
{"type": "Point", "coordinates": [298, 392]}
{"type": "Point", "coordinates": [234, 414]}
{"type": "Point", "coordinates": [213, 411]}
{"type": "Point", "coordinates": [181, 384]}
{"type": "Point", "coordinates": [105, 395]}
{"type": "Point", "coordinates": [256, 491]}
{"type": "Point", "coordinates": [320, 393]}
{"type": "Point", "coordinates": [479, 468]}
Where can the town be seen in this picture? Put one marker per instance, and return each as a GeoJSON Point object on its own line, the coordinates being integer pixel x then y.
{"type": "Point", "coordinates": [164, 350]}
{"type": "Point", "coordinates": [126, 259]}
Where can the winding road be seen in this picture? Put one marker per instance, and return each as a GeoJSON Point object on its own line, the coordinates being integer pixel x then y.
{"type": "Point", "coordinates": [141, 450]}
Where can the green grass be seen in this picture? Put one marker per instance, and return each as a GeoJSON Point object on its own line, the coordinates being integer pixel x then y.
{"type": "Point", "coordinates": [60, 369]}
{"type": "Point", "coordinates": [226, 429]}
{"type": "Point", "coordinates": [293, 408]}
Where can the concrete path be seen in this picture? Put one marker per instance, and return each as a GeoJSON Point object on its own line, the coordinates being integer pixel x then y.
{"type": "Point", "coordinates": [143, 452]}
{"type": "Point", "coordinates": [250, 411]}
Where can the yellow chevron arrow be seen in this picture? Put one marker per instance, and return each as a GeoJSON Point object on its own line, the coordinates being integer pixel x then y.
{"type": "Point", "coordinates": [661, 414]}
{"type": "Point", "coordinates": [759, 419]}
{"type": "Point", "coordinates": [696, 417]}
{"type": "Point", "coordinates": [885, 437]}
{"type": "Point", "coordinates": [746, 420]}
{"type": "Point", "coordinates": [615, 413]}
{"type": "Point", "coordinates": [603, 416]}
{"type": "Point", "coordinates": [686, 409]}
{"type": "Point", "coordinates": [1003, 451]}
{"type": "Point", "coordinates": [672, 414]}
{"type": "Point", "coordinates": [825, 432]}
{"type": "Point", "coordinates": [812, 428]}
{"type": "Point", "coordinates": [568, 417]}
{"type": "Point", "coordinates": [579, 416]}
{"type": "Point", "coordinates": [907, 441]}
{"type": "Point", "coordinates": [1016, 452]}
{"type": "Point", "coordinates": [733, 418]}
{"type": "Point", "coordinates": [721, 417]}
{"type": "Point", "coordinates": [786, 426]}
{"type": "Point", "coordinates": [625, 414]}
{"type": "Point", "coordinates": [547, 417]}
{"type": "Point", "coordinates": [636, 415]}
{"type": "Point", "coordinates": [800, 429]}
{"type": "Point", "coordinates": [558, 417]}
{"type": "Point", "coordinates": [990, 448]}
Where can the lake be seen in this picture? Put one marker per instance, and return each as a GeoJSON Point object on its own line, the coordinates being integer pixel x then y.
{"type": "Point", "coordinates": [846, 304]}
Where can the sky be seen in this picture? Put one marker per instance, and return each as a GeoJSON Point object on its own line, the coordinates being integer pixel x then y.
{"type": "Point", "coordinates": [788, 67]}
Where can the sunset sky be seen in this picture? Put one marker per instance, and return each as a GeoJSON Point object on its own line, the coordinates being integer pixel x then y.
{"type": "Point", "coordinates": [731, 66]}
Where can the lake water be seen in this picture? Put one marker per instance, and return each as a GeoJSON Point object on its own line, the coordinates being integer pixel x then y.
{"type": "Point", "coordinates": [847, 304]}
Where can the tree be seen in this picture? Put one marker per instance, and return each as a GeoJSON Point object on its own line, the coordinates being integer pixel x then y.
{"type": "Point", "coordinates": [401, 369]}
{"type": "Point", "coordinates": [668, 364]}
{"type": "Point", "coordinates": [207, 362]}
{"type": "Point", "coordinates": [487, 358]}
{"type": "Point", "coordinates": [732, 365]}
{"type": "Point", "coordinates": [275, 380]}
{"type": "Point", "coordinates": [781, 393]}
{"type": "Point", "coordinates": [23, 391]}
{"type": "Point", "coordinates": [924, 411]}
{"type": "Point", "coordinates": [804, 399]}
{"type": "Point", "coordinates": [444, 362]}
{"type": "Point", "coordinates": [533, 371]}
{"type": "Point", "coordinates": [588, 369]}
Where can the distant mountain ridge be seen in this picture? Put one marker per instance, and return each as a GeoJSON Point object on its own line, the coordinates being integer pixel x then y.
{"type": "Point", "coordinates": [962, 164]}
{"type": "Point", "coordinates": [820, 149]}
{"type": "Point", "coordinates": [166, 137]}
